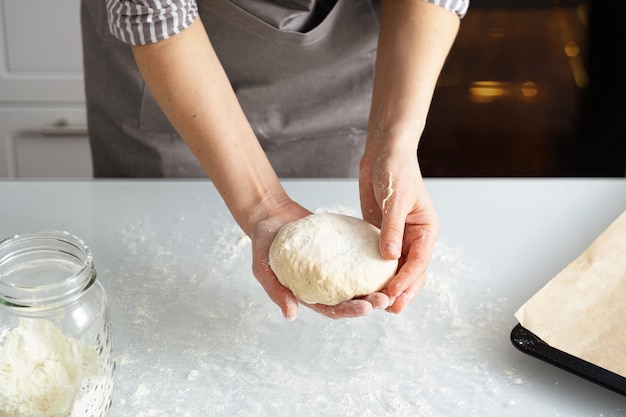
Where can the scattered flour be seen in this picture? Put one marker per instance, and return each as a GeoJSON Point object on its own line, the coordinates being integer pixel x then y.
{"type": "Point", "coordinates": [197, 329]}
{"type": "Point", "coordinates": [141, 392]}
{"type": "Point", "coordinates": [43, 372]}
{"type": "Point", "coordinates": [193, 375]}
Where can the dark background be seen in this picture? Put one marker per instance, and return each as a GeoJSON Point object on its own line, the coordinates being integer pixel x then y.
{"type": "Point", "coordinates": [531, 88]}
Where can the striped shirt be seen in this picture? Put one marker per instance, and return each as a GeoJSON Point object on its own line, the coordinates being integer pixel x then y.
{"type": "Point", "coordinates": [140, 22]}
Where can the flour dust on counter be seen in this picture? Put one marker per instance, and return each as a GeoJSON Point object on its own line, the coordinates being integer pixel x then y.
{"type": "Point", "coordinates": [197, 335]}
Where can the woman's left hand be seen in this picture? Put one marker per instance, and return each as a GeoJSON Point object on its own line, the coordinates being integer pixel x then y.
{"type": "Point", "coordinates": [394, 198]}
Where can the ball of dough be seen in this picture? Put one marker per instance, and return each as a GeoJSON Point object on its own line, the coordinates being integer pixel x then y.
{"type": "Point", "coordinates": [329, 258]}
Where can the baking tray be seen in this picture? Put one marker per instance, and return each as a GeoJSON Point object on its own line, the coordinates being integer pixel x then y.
{"type": "Point", "coordinates": [528, 343]}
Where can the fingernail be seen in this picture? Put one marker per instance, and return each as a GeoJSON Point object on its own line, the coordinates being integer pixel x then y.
{"type": "Point", "coordinates": [392, 249]}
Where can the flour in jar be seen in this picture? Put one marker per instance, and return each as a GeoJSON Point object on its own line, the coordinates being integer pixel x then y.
{"type": "Point", "coordinates": [45, 373]}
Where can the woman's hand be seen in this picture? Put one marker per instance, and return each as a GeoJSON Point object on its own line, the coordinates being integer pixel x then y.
{"type": "Point", "coordinates": [414, 41]}
{"type": "Point", "coordinates": [394, 198]}
{"type": "Point", "coordinates": [356, 307]}
{"type": "Point", "coordinates": [263, 233]}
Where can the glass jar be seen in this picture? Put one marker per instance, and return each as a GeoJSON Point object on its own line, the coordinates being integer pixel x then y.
{"type": "Point", "coordinates": [55, 330]}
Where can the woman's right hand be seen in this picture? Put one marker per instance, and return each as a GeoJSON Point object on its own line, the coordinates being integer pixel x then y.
{"type": "Point", "coordinates": [263, 234]}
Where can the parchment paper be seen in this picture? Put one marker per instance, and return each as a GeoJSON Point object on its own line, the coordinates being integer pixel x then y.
{"type": "Point", "coordinates": [582, 310]}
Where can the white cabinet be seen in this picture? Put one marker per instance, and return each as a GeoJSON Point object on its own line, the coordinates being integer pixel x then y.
{"type": "Point", "coordinates": [44, 142]}
{"type": "Point", "coordinates": [42, 103]}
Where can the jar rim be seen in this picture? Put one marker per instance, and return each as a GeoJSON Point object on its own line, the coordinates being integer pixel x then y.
{"type": "Point", "coordinates": [42, 243]}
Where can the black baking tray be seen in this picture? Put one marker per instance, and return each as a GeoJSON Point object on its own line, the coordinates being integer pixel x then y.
{"type": "Point", "coordinates": [527, 342]}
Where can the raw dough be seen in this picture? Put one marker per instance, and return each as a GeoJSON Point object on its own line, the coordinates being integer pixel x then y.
{"type": "Point", "coordinates": [329, 258]}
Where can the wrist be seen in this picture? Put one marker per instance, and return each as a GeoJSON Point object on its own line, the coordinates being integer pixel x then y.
{"type": "Point", "coordinates": [393, 142]}
{"type": "Point", "coordinates": [262, 208]}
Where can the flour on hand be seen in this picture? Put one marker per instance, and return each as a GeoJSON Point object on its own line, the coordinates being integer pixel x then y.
{"type": "Point", "coordinates": [329, 258]}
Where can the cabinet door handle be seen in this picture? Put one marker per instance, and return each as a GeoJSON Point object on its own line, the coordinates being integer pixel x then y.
{"type": "Point", "coordinates": [64, 129]}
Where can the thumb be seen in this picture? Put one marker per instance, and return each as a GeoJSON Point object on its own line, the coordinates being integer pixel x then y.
{"type": "Point", "coordinates": [392, 228]}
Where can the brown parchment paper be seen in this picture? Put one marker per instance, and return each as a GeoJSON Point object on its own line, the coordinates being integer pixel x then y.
{"type": "Point", "coordinates": [582, 310]}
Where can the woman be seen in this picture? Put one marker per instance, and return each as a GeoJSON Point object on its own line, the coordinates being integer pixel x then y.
{"type": "Point", "coordinates": [249, 91]}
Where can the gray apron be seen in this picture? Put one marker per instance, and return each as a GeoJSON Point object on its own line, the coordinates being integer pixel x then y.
{"type": "Point", "coordinates": [306, 92]}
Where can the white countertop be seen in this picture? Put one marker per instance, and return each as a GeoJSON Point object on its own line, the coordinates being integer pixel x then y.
{"type": "Point", "coordinates": [195, 335]}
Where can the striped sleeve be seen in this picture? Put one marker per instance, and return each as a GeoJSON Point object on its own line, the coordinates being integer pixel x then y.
{"type": "Point", "coordinates": [455, 6]}
{"type": "Point", "coordinates": [140, 22]}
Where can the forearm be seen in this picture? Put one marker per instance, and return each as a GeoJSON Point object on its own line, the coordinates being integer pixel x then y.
{"type": "Point", "coordinates": [189, 83]}
{"type": "Point", "coordinates": [414, 41]}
